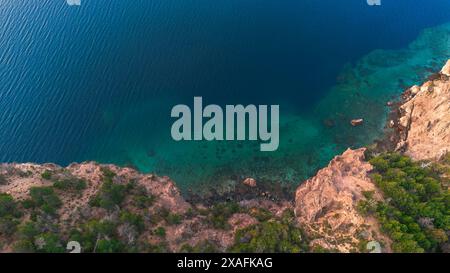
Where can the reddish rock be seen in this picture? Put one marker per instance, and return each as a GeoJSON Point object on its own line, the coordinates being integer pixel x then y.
{"type": "Point", "coordinates": [326, 205]}
{"type": "Point", "coordinates": [424, 120]}
{"type": "Point", "coordinates": [250, 182]}
{"type": "Point", "coordinates": [356, 122]}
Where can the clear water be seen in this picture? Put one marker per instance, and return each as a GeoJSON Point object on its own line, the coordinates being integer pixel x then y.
{"type": "Point", "coordinates": [97, 82]}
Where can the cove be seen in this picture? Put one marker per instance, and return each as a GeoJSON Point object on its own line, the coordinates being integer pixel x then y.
{"type": "Point", "coordinates": [97, 82]}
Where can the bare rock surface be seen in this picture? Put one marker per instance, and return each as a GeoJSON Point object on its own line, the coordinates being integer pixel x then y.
{"type": "Point", "coordinates": [424, 122]}
{"type": "Point", "coordinates": [326, 205]}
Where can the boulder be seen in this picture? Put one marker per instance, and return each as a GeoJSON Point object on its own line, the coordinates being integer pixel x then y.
{"type": "Point", "coordinates": [251, 182]}
{"type": "Point", "coordinates": [356, 122]}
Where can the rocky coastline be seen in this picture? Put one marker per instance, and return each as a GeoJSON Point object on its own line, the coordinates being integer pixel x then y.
{"type": "Point", "coordinates": [148, 213]}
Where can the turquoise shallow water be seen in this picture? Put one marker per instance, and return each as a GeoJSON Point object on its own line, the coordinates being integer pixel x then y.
{"type": "Point", "coordinates": [308, 140]}
{"type": "Point", "coordinates": [97, 82]}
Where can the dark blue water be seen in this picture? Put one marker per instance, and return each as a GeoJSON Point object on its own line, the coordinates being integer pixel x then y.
{"type": "Point", "coordinates": [97, 82]}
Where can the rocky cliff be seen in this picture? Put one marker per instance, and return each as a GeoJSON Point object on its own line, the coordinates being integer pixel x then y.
{"type": "Point", "coordinates": [326, 205]}
{"type": "Point", "coordinates": [146, 213]}
{"type": "Point", "coordinates": [424, 118]}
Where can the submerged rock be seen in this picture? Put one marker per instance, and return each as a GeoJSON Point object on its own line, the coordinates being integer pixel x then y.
{"type": "Point", "coordinates": [391, 124]}
{"type": "Point", "coordinates": [357, 122]}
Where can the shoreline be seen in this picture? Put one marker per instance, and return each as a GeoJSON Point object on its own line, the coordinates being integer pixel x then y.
{"type": "Point", "coordinates": [332, 211]}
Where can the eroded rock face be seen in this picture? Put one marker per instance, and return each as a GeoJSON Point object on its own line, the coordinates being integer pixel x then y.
{"type": "Point", "coordinates": [424, 122]}
{"type": "Point", "coordinates": [326, 205]}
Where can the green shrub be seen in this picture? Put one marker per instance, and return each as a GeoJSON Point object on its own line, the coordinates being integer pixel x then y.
{"type": "Point", "coordinates": [110, 195]}
{"type": "Point", "coordinates": [108, 175]}
{"type": "Point", "coordinates": [48, 243]}
{"type": "Point", "coordinates": [366, 207]}
{"type": "Point", "coordinates": [132, 219]}
{"type": "Point", "coordinates": [173, 219]}
{"type": "Point", "coordinates": [47, 175]}
{"type": "Point", "coordinates": [141, 198]}
{"type": "Point", "coordinates": [35, 238]}
{"type": "Point", "coordinates": [8, 207]}
{"type": "Point", "coordinates": [90, 233]}
{"type": "Point", "coordinates": [159, 248]}
{"type": "Point", "coordinates": [261, 214]}
{"type": "Point", "coordinates": [270, 237]}
{"type": "Point", "coordinates": [8, 225]}
{"type": "Point", "coordinates": [220, 213]}
{"type": "Point", "coordinates": [416, 193]}
{"type": "Point", "coordinates": [109, 246]}
{"type": "Point", "coordinates": [9, 214]}
{"type": "Point", "coordinates": [3, 180]}
{"type": "Point", "coordinates": [202, 247]}
{"type": "Point", "coordinates": [45, 199]}
{"type": "Point", "coordinates": [160, 232]}
{"type": "Point", "coordinates": [70, 184]}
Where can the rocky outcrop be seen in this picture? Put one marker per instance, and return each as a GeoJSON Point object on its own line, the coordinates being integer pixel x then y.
{"type": "Point", "coordinates": [326, 205]}
{"type": "Point", "coordinates": [22, 177]}
{"type": "Point", "coordinates": [424, 118]}
{"type": "Point", "coordinates": [183, 223]}
{"type": "Point", "coordinates": [251, 182]}
{"type": "Point", "coordinates": [357, 122]}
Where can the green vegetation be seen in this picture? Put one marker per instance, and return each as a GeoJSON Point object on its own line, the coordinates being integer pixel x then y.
{"type": "Point", "coordinates": [70, 184]}
{"type": "Point", "coordinates": [141, 198]}
{"type": "Point", "coordinates": [40, 234]}
{"type": "Point", "coordinates": [220, 213]}
{"type": "Point", "coordinates": [108, 175]}
{"type": "Point", "coordinates": [261, 214]}
{"type": "Point", "coordinates": [47, 175]}
{"type": "Point", "coordinates": [117, 232]}
{"type": "Point", "coordinates": [416, 214]}
{"type": "Point", "coordinates": [3, 179]}
{"type": "Point", "coordinates": [160, 232]}
{"type": "Point", "coordinates": [43, 198]}
{"type": "Point", "coordinates": [9, 214]}
{"type": "Point", "coordinates": [8, 207]}
{"type": "Point", "coordinates": [202, 247]}
{"type": "Point", "coordinates": [111, 194]}
{"type": "Point", "coordinates": [38, 237]}
{"type": "Point", "coordinates": [272, 236]}
{"type": "Point", "coordinates": [133, 219]}
{"type": "Point", "coordinates": [109, 246]}
{"type": "Point", "coordinates": [170, 218]}
{"type": "Point", "coordinates": [97, 233]}
{"type": "Point", "coordinates": [108, 236]}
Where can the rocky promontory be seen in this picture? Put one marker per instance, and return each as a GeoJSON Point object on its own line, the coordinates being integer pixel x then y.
{"type": "Point", "coordinates": [424, 118]}
{"type": "Point", "coordinates": [326, 205]}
